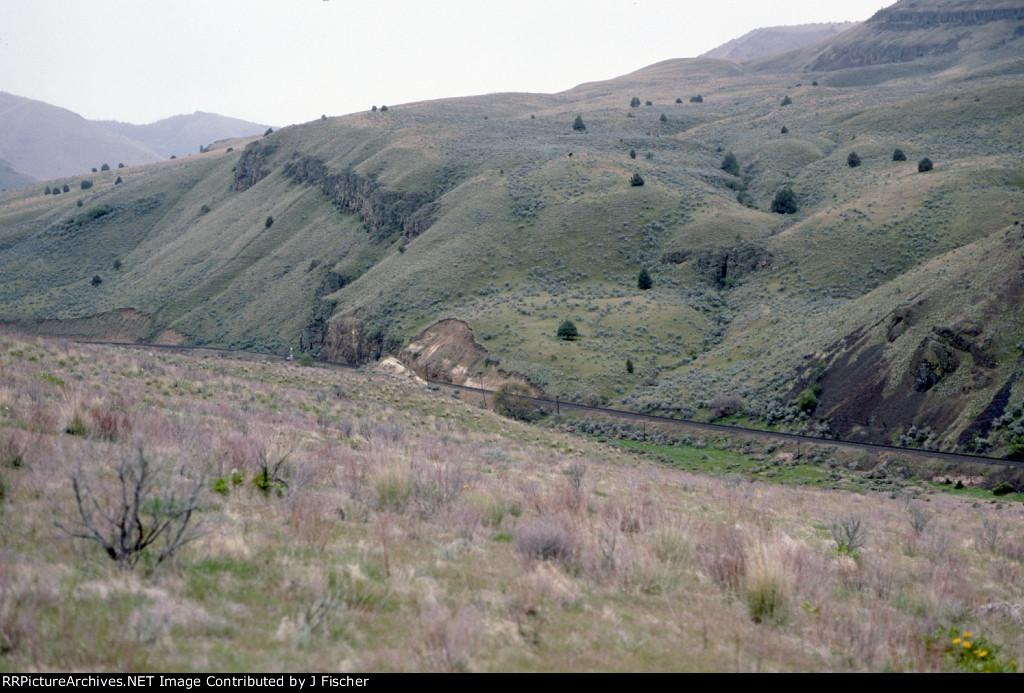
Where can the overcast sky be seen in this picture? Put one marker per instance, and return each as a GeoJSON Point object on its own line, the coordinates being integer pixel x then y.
{"type": "Point", "coordinates": [288, 61]}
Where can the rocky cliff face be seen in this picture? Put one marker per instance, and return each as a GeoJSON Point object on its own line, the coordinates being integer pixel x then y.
{"type": "Point", "coordinates": [251, 167]}
{"type": "Point", "coordinates": [913, 30]}
{"type": "Point", "coordinates": [907, 18]}
{"type": "Point", "coordinates": [385, 213]}
{"type": "Point", "coordinates": [348, 341]}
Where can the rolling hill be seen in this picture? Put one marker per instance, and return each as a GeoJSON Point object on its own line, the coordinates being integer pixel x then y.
{"type": "Point", "coordinates": [775, 39]}
{"type": "Point", "coordinates": [886, 308]}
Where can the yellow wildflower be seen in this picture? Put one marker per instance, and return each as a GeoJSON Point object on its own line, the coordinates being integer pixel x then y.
{"type": "Point", "coordinates": [982, 654]}
{"type": "Point", "coordinates": [956, 641]}
{"type": "Point", "coordinates": [967, 645]}
{"type": "Point", "coordinates": [967, 636]}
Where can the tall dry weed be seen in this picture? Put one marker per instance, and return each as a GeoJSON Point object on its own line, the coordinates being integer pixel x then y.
{"type": "Point", "coordinates": [767, 582]}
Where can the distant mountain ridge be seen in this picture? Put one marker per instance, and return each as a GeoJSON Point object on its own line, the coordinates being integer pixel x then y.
{"type": "Point", "coordinates": [184, 134]}
{"type": "Point", "coordinates": [40, 141]}
{"type": "Point", "coordinates": [47, 141]}
{"type": "Point", "coordinates": [776, 39]}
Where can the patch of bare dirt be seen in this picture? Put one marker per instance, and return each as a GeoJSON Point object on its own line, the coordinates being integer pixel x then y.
{"type": "Point", "coordinates": [447, 351]}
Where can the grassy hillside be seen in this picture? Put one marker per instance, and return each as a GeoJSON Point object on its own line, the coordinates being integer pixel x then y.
{"type": "Point", "coordinates": [356, 521]}
{"type": "Point", "coordinates": [349, 236]}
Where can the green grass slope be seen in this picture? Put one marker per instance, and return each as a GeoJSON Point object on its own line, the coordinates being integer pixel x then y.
{"type": "Point", "coordinates": [349, 236]}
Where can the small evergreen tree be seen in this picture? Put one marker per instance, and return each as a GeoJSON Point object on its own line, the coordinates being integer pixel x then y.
{"type": "Point", "coordinates": [634, 102]}
{"type": "Point", "coordinates": [898, 155]}
{"type": "Point", "coordinates": [578, 124]}
{"type": "Point", "coordinates": [636, 180]}
{"type": "Point", "coordinates": [117, 264]}
{"type": "Point", "coordinates": [730, 164]}
{"type": "Point", "coordinates": [86, 184]}
{"type": "Point", "coordinates": [374, 109]}
{"type": "Point", "coordinates": [852, 160]}
{"type": "Point", "coordinates": [47, 191]}
{"type": "Point", "coordinates": [786, 101]}
{"type": "Point", "coordinates": [105, 167]}
{"type": "Point", "coordinates": [697, 99]}
{"type": "Point", "coordinates": [118, 181]}
{"type": "Point", "coordinates": [120, 165]}
{"type": "Point", "coordinates": [784, 202]}
{"type": "Point", "coordinates": [663, 118]}
{"type": "Point", "coordinates": [629, 366]}
{"type": "Point", "coordinates": [56, 190]}
{"type": "Point", "coordinates": [784, 130]}
{"type": "Point", "coordinates": [383, 109]}
{"type": "Point", "coordinates": [924, 165]}
{"type": "Point", "coordinates": [648, 103]}
{"type": "Point", "coordinates": [678, 100]}
{"type": "Point", "coordinates": [632, 153]}
{"type": "Point", "coordinates": [643, 280]}
{"type": "Point", "coordinates": [270, 131]}
{"type": "Point", "coordinates": [96, 280]}
{"type": "Point", "coordinates": [66, 188]}
{"type": "Point", "coordinates": [567, 331]}
{"type": "Point", "coordinates": [269, 222]}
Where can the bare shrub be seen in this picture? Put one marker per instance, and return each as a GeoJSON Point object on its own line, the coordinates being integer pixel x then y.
{"type": "Point", "coordinates": [723, 558]}
{"type": "Point", "coordinates": [546, 541]}
{"type": "Point", "coordinates": [146, 507]}
{"type": "Point", "coordinates": [725, 405]}
{"type": "Point", "coordinates": [448, 641]}
{"type": "Point", "coordinates": [513, 400]}
{"type": "Point", "coordinates": [990, 535]}
{"type": "Point", "coordinates": [110, 424]}
{"type": "Point", "coordinates": [575, 473]}
{"type": "Point", "coordinates": [388, 431]}
{"type": "Point", "coordinates": [270, 476]}
{"type": "Point", "coordinates": [849, 534]}
{"type": "Point", "coordinates": [437, 485]}
{"type": "Point", "coordinates": [13, 448]}
{"type": "Point", "coordinates": [918, 517]}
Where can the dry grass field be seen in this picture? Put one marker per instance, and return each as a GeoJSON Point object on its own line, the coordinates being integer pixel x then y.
{"type": "Point", "coordinates": [319, 519]}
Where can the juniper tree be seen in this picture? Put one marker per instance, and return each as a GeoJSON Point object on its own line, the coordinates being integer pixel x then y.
{"type": "Point", "coordinates": [644, 281]}
{"type": "Point", "coordinates": [730, 164]}
{"type": "Point", "coordinates": [785, 202]}
{"type": "Point", "coordinates": [567, 331]}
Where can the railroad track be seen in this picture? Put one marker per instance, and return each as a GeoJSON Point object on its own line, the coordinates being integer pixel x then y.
{"type": "Point", "coordinates": [558, 405]}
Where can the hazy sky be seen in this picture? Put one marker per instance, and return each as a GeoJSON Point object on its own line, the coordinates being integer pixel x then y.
{"type": "Point", "coordinates": [288, 61]}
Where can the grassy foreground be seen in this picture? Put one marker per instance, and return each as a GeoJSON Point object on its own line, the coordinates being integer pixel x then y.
{"type": "Point", "coordinates": [358, 522]}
